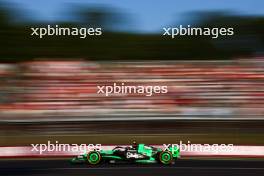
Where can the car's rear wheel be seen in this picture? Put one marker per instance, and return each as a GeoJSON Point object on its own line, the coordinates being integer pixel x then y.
{"type": "Point", "coordinates": [166, 157]}
{"type": "Point", "coordinates": [94, 157]}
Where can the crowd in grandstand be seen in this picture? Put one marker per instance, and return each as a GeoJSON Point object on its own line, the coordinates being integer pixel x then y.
{"type": "Point", "coordinates": [65, 89]}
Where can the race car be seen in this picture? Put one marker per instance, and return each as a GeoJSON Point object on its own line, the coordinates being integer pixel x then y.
{"type": "Point", "coordinates": [137, 153]}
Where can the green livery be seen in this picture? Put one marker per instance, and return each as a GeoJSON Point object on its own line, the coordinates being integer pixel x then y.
{"type": "Point", "coordinates": [139, 153]}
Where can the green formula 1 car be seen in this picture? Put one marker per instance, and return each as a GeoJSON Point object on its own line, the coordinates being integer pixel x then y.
{"type": "Point", "coordinates": [137, 153]}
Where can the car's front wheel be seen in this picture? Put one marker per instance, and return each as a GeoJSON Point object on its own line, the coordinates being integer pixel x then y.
{"type": "Point", "coordinates": [94, 157]}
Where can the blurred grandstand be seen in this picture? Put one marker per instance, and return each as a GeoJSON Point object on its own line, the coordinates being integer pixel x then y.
{"type": "Point", "coordinates": [67, 90]}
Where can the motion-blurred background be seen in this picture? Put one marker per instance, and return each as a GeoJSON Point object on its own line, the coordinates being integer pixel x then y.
{"type": "Point", "coordinates": [48, 86]}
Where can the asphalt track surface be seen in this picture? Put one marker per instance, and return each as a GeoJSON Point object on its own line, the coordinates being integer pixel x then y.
{"type": "Point", "coordinates": [181, 167]}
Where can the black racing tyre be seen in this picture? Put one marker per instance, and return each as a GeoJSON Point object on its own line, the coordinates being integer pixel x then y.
{"type": "Point", "coordinates": [165, 157]}
{"type": "Point", "coordinates": [94, 157]}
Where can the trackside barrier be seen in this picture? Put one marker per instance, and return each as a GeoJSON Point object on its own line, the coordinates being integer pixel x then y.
{"type": "Point", "coordinates": [237, 152]}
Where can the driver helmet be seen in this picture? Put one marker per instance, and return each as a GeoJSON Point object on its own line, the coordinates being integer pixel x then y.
{"type": "Point", "coordinates": [134, 144]}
